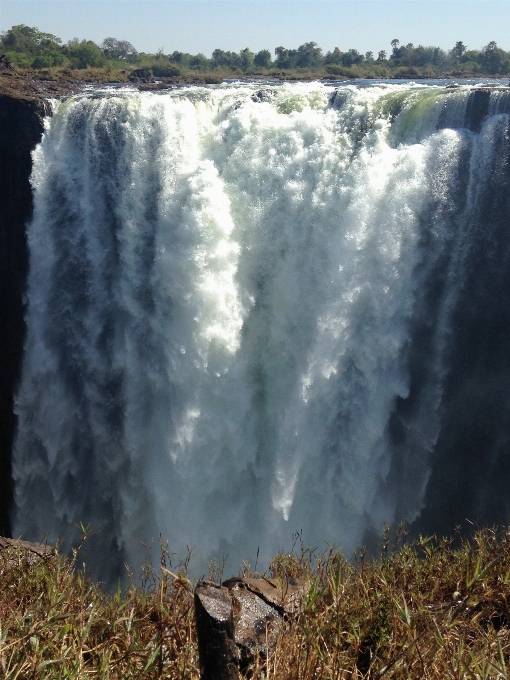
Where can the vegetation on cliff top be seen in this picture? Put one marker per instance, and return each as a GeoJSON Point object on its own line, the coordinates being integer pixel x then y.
{"type": "Point", "coordinates": [27, 48]}
{"type": "Point", "coordinates": [421, 610]}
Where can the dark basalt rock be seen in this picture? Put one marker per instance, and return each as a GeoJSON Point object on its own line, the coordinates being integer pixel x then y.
{"type": "Point", "coordinates": [21, 128]}
{"type": "Point", "coordinates": [144, 75]}
{"type": "Point", "coordinates": [263, 96]}
{"type": "Point", "coordinates": [477, 108]}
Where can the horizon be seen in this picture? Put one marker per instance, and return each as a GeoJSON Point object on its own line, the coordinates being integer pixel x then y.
{"type": "Point", "coordinates": [204, 25]}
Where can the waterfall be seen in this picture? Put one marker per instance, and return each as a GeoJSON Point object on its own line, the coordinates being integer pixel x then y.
{"type": "Point", "coordinates": [255, 312]}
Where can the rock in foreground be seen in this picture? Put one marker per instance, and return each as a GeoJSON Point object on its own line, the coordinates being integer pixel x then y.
{"type": "Point", "coordinates": [240, 620]}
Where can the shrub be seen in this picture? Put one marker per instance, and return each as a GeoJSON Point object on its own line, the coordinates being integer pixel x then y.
{"type": "Point", "coordinates": [406, 72]}
{"type": "Point", "coordinates": [346, 72]}
{"type": "Point", "coordinates": [47, 60]}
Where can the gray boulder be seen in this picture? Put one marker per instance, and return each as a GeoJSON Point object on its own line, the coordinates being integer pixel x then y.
{"type": "Point", "coordinates": [240, 620]}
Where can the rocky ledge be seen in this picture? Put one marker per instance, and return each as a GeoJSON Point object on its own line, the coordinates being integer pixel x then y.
{"type": "Point", "coordinates": [20, 553]}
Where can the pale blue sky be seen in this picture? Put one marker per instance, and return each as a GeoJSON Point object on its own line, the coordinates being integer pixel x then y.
{"type": "Point", "coordinates": [202, 25]}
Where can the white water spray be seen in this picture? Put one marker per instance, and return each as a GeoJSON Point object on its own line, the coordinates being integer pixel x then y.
{"type": "Point", "coordinates": [222, 295]}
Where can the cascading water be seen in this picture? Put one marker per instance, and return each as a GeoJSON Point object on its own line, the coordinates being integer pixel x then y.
{"type": "Point", "coordinates": [244, 309]}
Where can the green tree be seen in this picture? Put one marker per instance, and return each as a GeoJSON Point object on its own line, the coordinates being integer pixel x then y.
{"type": "Point", "coordinates": [199, 62]}
{"type": "Point", "coordinates": [309, 55]}
{"type": "Point", "coordinates": [263, 59]}
{"type": "Point", "coordinates": [246, 59]}
{"type": "Point", "coordinates": [458, 51]}
{"type": "Point", "coordinates": [23, 38]}
{"type": "Point", "coordinates": [494, 60]}
{"type": "Point", "coordinates": [181, 58]}
{"type": "Point", "coordinates": [118, 49]}
{"type": "Point", "coordinates": [334, 57]}
{"type": "Point", "coordinates": [396, 51]}
{"type": "Point", "coordinates": [32, 47]}
{"type": "Point", "coordinates": [285, 58]}
{"type": "Point", "coordinates": [222, 59]}
{"type": "Point", "coordinates": [351, 57]}
{"type": "Point", "coordinates": [84, 54]}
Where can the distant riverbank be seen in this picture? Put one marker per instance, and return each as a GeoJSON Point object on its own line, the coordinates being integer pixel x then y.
{"type": "Point", "coordinates": [57, 83]}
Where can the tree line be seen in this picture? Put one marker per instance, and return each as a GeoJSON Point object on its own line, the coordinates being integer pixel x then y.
{"type": "Point", "coordinates": [27, 47]}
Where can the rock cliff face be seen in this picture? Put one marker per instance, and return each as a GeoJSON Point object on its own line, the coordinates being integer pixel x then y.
{"type": "Point", "coordinates": [21, 129]}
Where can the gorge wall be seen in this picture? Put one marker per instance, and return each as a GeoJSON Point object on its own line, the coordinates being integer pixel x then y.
{"type": "Point", "coordinates": [21, 128]}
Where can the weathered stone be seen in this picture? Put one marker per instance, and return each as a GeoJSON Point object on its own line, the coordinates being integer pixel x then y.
{"type": "Point", "coordinates": [242, 619]}
{"type": "Point", "coordinates": [261, 606]}
{"type": "Point", "coordinates": [286, 595]}
{"type": "Point", "coordinates": [215, 630]}
{"type": "Point", "coordinates": [22, 553]}
{"type": "Point", "coordinates": [257, 623]}
{"type": "Point", "coordinates": [39, 549]}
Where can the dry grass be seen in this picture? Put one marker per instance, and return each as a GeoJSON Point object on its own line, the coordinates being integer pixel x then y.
{"type": "Point", "coordinates": [424, 610]}
{"type": "Point", "coordinates": [56, 624]}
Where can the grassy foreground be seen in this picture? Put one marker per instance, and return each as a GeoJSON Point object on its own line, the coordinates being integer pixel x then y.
{"type": "Point", "coordinates": [423, 610]}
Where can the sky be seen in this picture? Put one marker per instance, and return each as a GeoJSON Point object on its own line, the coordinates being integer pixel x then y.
{"type": "Point", "coordinates": [203, 25]}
